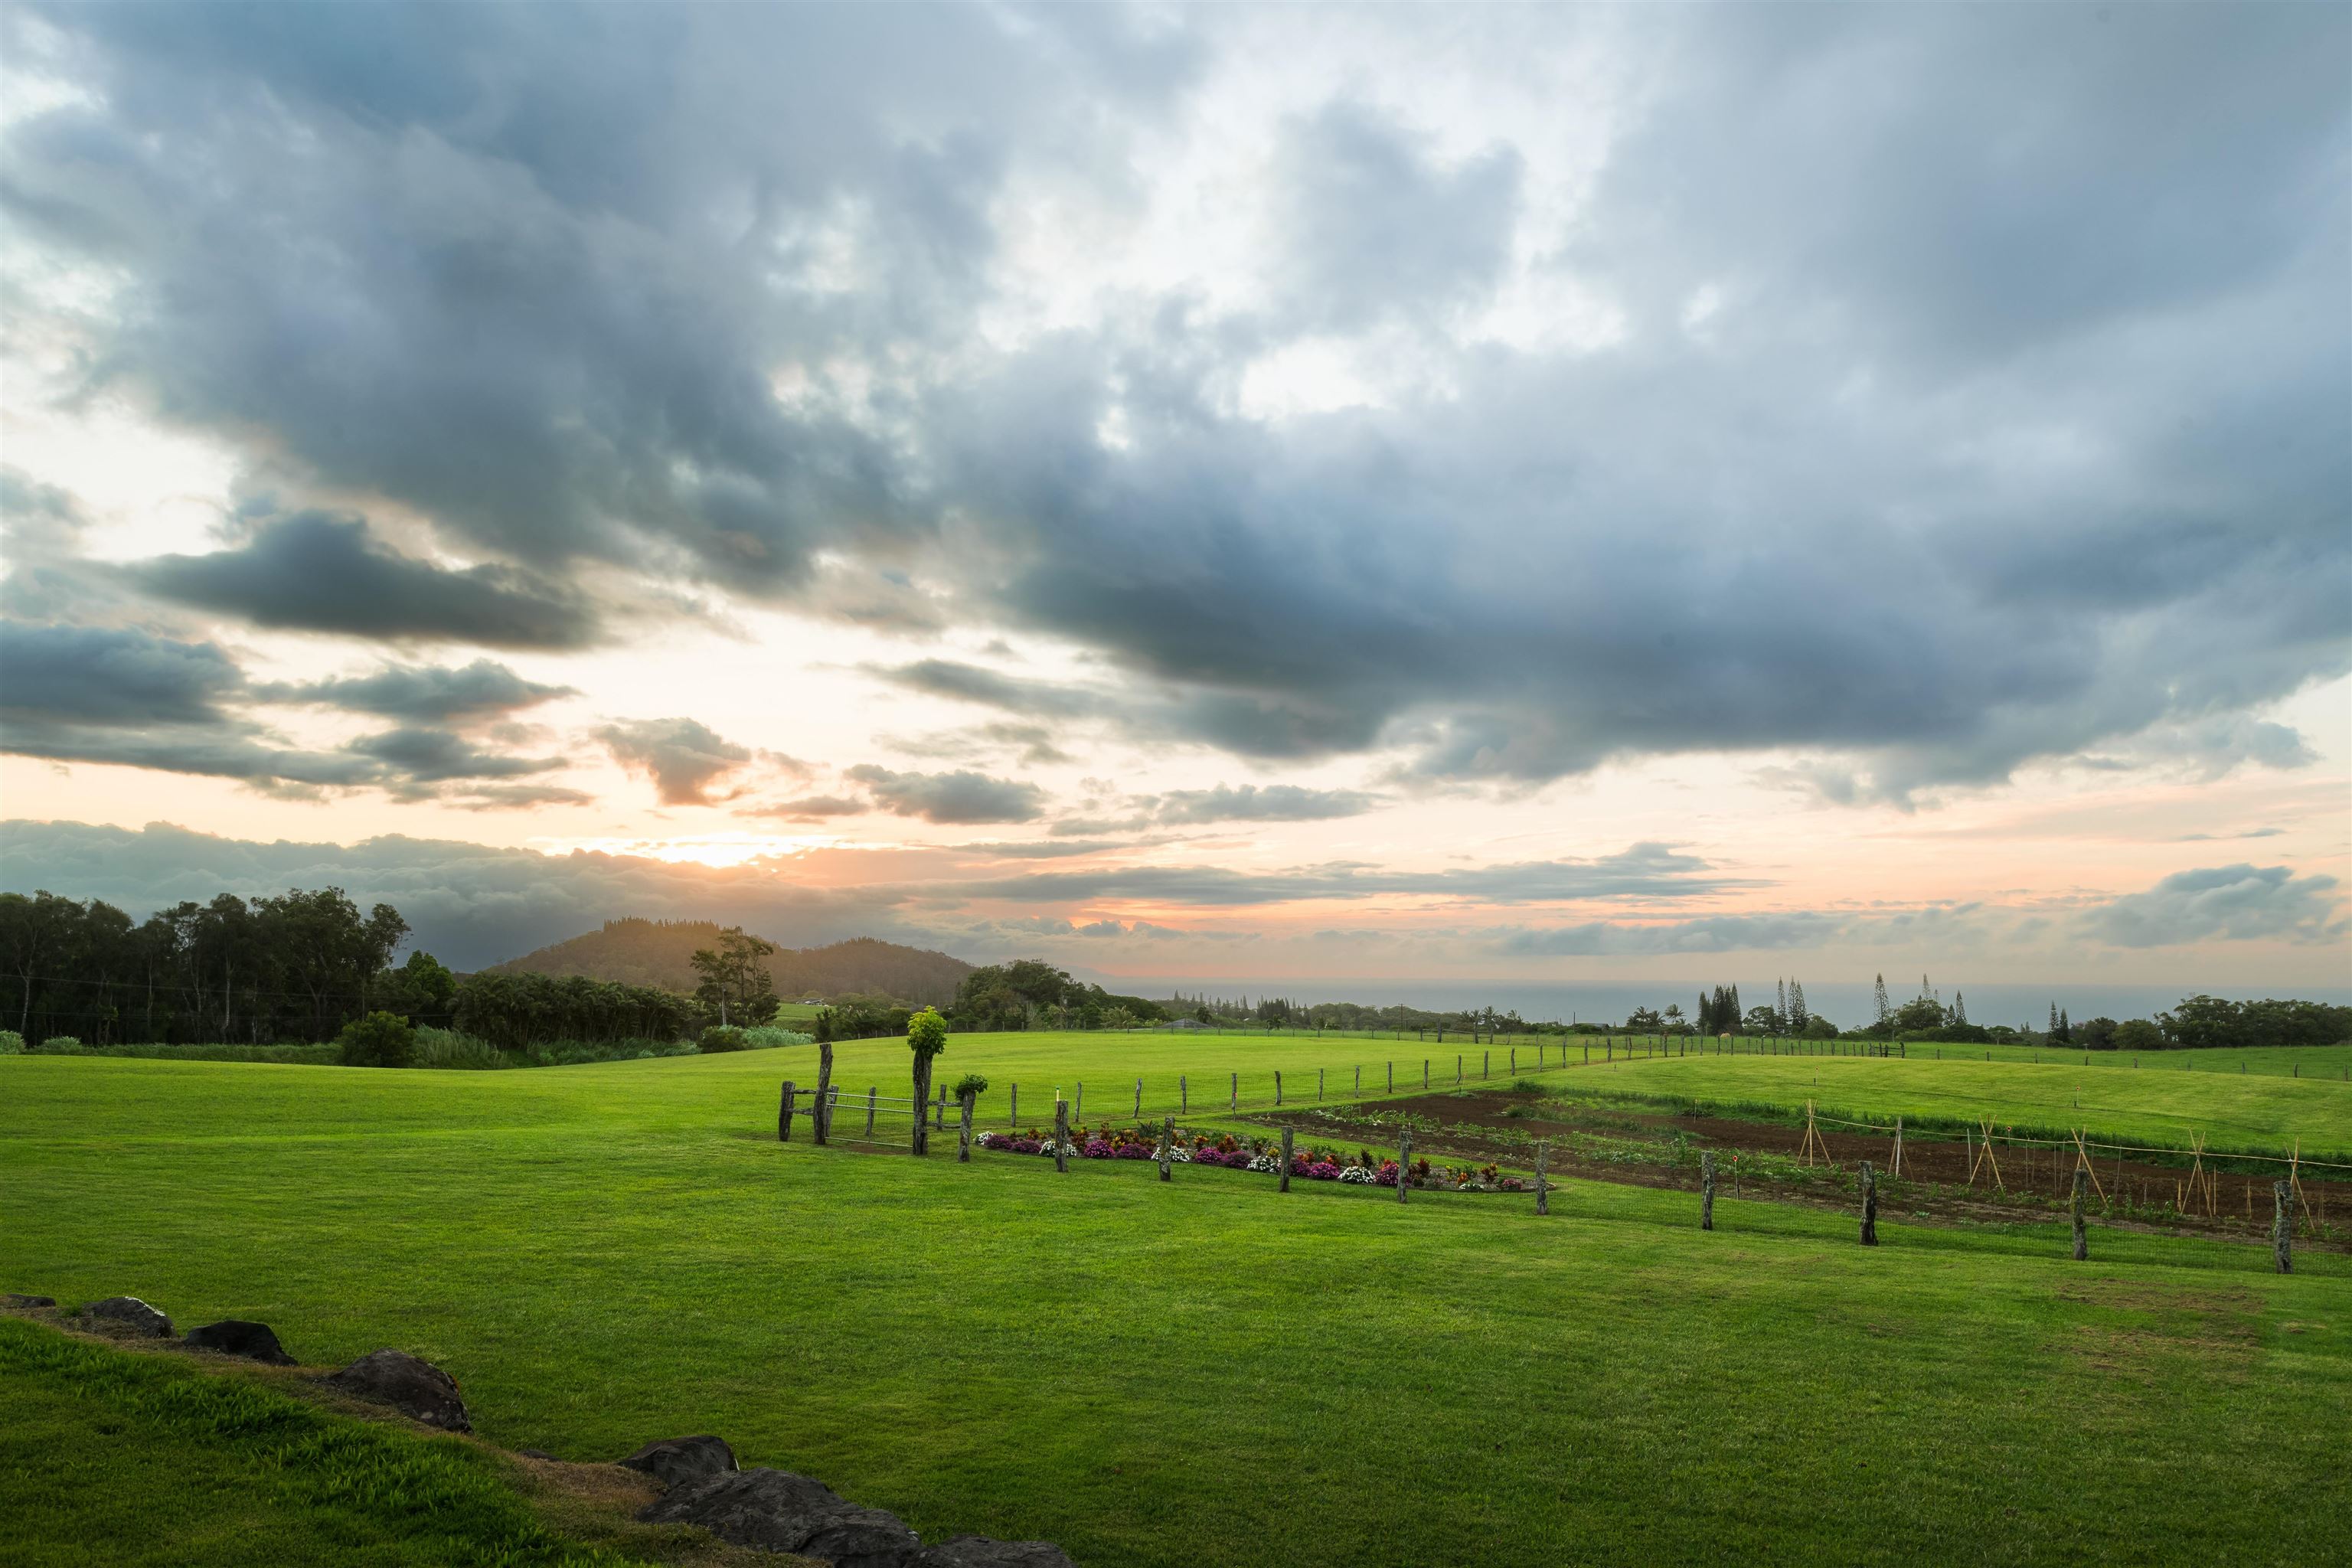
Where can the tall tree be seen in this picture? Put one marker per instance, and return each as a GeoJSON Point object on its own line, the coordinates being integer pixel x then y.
{"type": "Point", "coordinates": [1798, 1014]}
{"type": "Point", "coordinates": [1879, 1000]}
{"type": "Point", "coordinates": [736, 984]}
{"type": "Point", "coordinates": [927, 1037]}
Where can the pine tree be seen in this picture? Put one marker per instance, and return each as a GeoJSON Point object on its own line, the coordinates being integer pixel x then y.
{"type": "Point", "coordinates": [2054, 1020]}
{"type": "Point", "coordinates": [1798, 1016]}
{"type": "Point", "coordinates": [2065, 1026]}
{"type": "Point", "coordinates": [1879, 1001]}
{"type": "Point", "coordinates": [1780, 1007]}
{"type": "Point", "coordinates": [1960, 1007]}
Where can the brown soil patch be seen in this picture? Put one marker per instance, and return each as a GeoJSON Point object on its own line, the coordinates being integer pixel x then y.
{"type": "Point", "coordinates": [1474, 1126]}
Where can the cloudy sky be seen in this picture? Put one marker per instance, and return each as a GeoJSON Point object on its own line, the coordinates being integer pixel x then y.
{"type": "Point", "coordinates": [1278, 492]}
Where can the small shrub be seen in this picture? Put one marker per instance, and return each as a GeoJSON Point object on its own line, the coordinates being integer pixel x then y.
{"type": "Point", "coordinates": [12, 1044]}
{"type": "Point", "coordinates": [60, 1046]}
{"type": "Point", "coordinates": [769, 1037]}
{"type": "Point", "coordinates": [722, 1037]}
{"type": "Point", "coordinates": [972, 1084]}
{"type": "Point", "coordinates": [1527, 1086]}
{"type": "Point", "coordinates": [378, 1040]}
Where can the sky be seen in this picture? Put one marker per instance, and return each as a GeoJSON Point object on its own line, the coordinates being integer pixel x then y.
{"type": "Point", "coordinates": [1266, 492]}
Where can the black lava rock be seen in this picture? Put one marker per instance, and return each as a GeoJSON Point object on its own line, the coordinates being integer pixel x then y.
{"type": "Point", "coordinates": [235, 1336]}
{"type": "Point", "coordinates": [415, 1388]}
{"type": "Point", "coordinates": [677, 1460]}
{"type": "Point", "coordinates": [128, 1315]}
{"type": "Point", "coordinates": [776, 1511]}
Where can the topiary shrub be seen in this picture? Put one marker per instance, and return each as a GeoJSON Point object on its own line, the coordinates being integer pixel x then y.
{"type": "Point", "coordinates": [971, 1084]}
{"type": "Point", "coordinates": [722, 1037]}
{"type": "Point", "coordinates": [12, 1044]}
{"type": "Point", "coordinates": [378, 1040]}
{"type": "Point", "coordinates": [60, 1046]}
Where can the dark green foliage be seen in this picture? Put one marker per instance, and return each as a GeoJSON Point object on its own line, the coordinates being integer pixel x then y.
{"type": "Point", "coordinates": [378, 1040]}
{"type": "Point", "coordinates": [721, 1037]}
{"type": "Point", "coordinates": [294, 967]}
{"type": "Point", "coordinates": [2206, 1021]}
{"type": "Point", "coordinates": [734, 984]}
{"type": "Point", "coordinates": [971, 1083]}
{"type": "Point", "coordinates": [516, 1011]}
{"type": "Point", "coordinates": [868, 1017]}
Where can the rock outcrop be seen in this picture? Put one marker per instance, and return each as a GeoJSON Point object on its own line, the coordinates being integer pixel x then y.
{"type": "Point", "coordinates": [128, 1315]}
{"type": "Point", "coordinates": [417, 1389]}
{"type": "Point", "coordinates": [674, 1461]}
{"type": "Point", "coordinates": [235, 1336]}
{"type": "Point", "coordinates": [775, 1511]}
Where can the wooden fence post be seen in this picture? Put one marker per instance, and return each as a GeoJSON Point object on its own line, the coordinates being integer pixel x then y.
{"type": "Point", "coordinates": [2282, 1228]}
{"type": "Point", "coordinates": [784, 1115]}
{"type": "Point", "coordinates": [820, 1114]}
{"type": "Point", "coordinates": [1869, 1206]}
{"type": "Point", "coordinates": [941, 1121]}
{"type": "Point", "coordinates": [1391, 1077]}
{"type": "Point", "coordinates": [1896, 1168]}
{"type": "Point", "coordinates": [1167, 1142]}
{"type": "Point", "coordinates": [1404, 1163]}
{"type": "Point", "coordinates": [1458, 1068]}
{"type": "Point", "coordinates": [1078, 1105]}
{"type": "Point", "coordinates": [1424, 1075]}
{"type": "Point", "coordinates": [1183, 1096]}
{"type": "Point", "coordinates": [1319, 1084]}
{"type": "Point", "coordinates": [1234, 1092]}
{"type": "Point", "coordinates": [1285, 1159]}
{"type": "Point", "coordinates": [964, 1128]}
{"type": "Point", "coordinates": [1543, 1187]}
{"type": "Point", "coordinates": [1707, 1189]}
{"type": "Point", "coordinates": [2082, 1238]}
{"type": "Point", "coordinates": [1061, 1135]}
{"type": "Point", "coordinates": [870, 1092]}
{"type": "Point", "coordinates": [1139, 1099]}
{"type": "Point", "coordinates": [1515, 1061]}
{"type": "Point", "coordinates": [1277, 1086]}
{"type": "Point", "coordinates": [1360, 1078]}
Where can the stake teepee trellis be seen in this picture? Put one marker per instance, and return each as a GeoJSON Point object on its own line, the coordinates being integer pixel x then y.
{"type": "Point", "coordinates": [1814, 1142]}
{"type": "Point", "coordinates": [1984, 1158]}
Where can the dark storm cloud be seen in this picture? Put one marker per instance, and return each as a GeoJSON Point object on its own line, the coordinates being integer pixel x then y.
{"type": "Point", "coordinates": [1975, 393]}
{"type": "Point", "coordinates": [314, 572]}
{"type": "Point", "coordinates": [1638, 871]}
{"type": "Point", "coordinates": [2227, 903]}
{"type": "Point", "coordinates": [471, 904]}
{"type": "Point", "coordinates": [96, 675]}
{"type": "Point", "coordinates": [961, 796]}
{"type": "Point", "coordinates": [1374, 226]}
{"type": "Point", "coordinates": [124, 697]}
{"type": "Point", "coordinates": [424, 693]}
{"type": "Point", "coordinates": [1271, 803]}
{"type": "Point", "coordinates": [683, 757]}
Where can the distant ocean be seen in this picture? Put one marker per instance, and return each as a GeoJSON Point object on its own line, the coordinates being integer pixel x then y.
{"type": "Point", "coordinates": [1843, 1004]}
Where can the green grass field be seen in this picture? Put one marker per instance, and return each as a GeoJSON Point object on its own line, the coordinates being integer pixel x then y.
{"type": "Point", "coordinates": [1203, 1371]}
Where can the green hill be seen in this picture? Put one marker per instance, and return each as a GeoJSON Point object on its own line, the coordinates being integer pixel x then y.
{"type": "Point", "coordinates": [659, 952]}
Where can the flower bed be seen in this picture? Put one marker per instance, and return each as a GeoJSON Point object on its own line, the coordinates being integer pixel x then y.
{"type": "Point", "coordinates": [1315, 1165]}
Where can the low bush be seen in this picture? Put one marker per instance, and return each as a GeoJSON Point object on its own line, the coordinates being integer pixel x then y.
{"type": "Point", "coordinates": [722, 1037]}
{"type": "Point", "coordinates": [769, 1037]}
{"type": "Point", "coordinates": [12, 1044]}
{"type": "Point", "coordinates": [378, 1040]}
{"type": "Point", "coordinates": [60, 1046]}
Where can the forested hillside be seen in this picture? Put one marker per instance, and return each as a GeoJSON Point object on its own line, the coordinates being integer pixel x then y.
{"type": "Point", "coordinates": [659, 952]}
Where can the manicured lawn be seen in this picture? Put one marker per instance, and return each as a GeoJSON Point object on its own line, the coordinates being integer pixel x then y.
{"type": "Point", "coordinates": [1203, 1371]}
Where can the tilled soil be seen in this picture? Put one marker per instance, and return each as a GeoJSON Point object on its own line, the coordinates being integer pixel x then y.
{"type": "Point", "coordinates": [1935, 1177]}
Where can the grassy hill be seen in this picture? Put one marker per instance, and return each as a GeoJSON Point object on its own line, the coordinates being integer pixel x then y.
{"type": "Point", "coordinates": [1207, 1372]}
{"type": "Point", "coordinates": [659, 952]}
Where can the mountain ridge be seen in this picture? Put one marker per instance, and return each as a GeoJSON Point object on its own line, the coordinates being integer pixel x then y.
{"type": "Point", "coordinates": [642, 952]}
